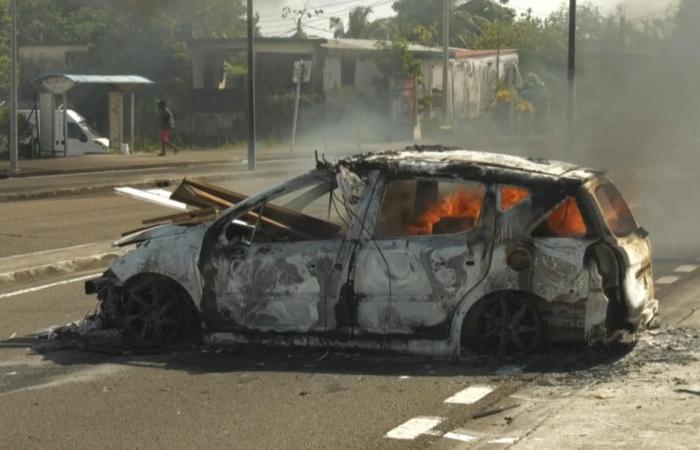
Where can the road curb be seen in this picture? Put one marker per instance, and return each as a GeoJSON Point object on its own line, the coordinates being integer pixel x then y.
{"type": "Point", "coordinates": [167, 165]}
{"type": "Point", "coordinates": [102, 188]}
{"type": "Point", "coordinates": [4, 174]}
{"type": "Point", "coordinates": [64, 267]}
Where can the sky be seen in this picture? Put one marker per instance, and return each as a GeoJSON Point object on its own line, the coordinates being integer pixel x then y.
{"type": "Point", "coordinates": [273, 24]}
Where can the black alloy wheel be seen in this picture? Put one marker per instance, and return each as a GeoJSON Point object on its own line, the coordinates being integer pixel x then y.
{"type": "Point", "coordinates": [508, 324]}
{"type": "Point", "coordinates": [154, 314]}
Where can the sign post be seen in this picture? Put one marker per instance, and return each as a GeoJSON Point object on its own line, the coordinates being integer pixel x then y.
{"type": "Point", "coordinates": [302, 74]}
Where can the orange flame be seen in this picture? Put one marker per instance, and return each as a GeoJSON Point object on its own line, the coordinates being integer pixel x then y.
{"type": "Point", "coordinates": [512, 196]}
{"type": "Point", "coordinates": [462, 204]}
{"type": "Point", "coordinates": [567, 221]}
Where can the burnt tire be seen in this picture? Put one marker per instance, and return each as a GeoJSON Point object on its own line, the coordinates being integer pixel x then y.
{"type": "Point", "coordinates": [155, 313]}
{"type": "Point", "coordinates": [505, 324]}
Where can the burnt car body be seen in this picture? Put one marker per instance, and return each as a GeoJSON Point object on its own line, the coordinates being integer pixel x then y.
{"type": "Point", "coordinates": [426, 251]}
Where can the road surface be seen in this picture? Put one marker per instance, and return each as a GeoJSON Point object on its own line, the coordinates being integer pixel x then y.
{"type": "Point", "coordinates": [195, 397]}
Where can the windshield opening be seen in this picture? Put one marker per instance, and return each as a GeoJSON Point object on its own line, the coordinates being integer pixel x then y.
{"type": "Point", "coordinates": [616, 211]}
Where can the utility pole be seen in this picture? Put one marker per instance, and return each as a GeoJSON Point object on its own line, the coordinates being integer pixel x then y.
{"type": "Point", "coordinates": [570, 106]}
{"type": "Point", "coordinates": [251, 89]}
{"type": "Point", "coordinates": [446, 91]}
{"type": "Point", "coordinates": [13, 90]}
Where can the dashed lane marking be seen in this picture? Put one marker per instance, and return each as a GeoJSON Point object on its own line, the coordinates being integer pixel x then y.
{"type": "Point", "coordinates": [413, 428]}
{"type": "Point", "coordinates": [667, 280]}
{"type": "Point", "coordinates": [504, 440]}
{"type": "Point", "coordinates": [460, 437]}
{"type": "Point", "coordinates": [470, 395]}
{"type": "Point", "coordinates": [48, 286]}
{"type": "Point", "coordinates": [687, 268]}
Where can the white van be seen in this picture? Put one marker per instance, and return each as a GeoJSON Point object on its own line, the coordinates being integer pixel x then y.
{"type": "Point", "coordinates": [82, 138]}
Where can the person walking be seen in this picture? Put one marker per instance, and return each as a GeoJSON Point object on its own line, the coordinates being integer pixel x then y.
{"type": "Point", "coordinates": [167, 123]}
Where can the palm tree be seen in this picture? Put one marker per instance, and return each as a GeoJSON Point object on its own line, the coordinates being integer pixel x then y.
{"type": "Point", "coordinates": [359, 25]}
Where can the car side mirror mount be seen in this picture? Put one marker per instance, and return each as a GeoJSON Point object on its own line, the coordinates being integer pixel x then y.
{"type": "Point", "coordinates": [240, 232]}
{"type": "Point", "coordinates": [641, 231]}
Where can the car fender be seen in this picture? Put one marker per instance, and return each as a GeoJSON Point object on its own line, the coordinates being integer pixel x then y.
{"type": "Point", "coordinates": [174, 256]}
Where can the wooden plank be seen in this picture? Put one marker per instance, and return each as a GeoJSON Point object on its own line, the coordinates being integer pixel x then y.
{"type": "Point", "coordinates": [197, 192]}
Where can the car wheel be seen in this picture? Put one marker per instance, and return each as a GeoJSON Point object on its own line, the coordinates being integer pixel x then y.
{"type": "Point", "coordinates": [508, 324]}
{"type": "Point", "coordinates": [155, 313]}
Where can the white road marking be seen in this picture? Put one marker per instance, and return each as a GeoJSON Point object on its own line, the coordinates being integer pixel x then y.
{"type": "Point", "coordinates": [470, 395]}
{"type": "Point", "coordinates": [47, 286]}
{"type": "Point", "coordinates": [460, 437]}
{"type": "Point", "coordinates": [504, 440]}
{"type": "Point", "coordinates": [688, 268]}
{"type": "Point", "coordinates": [667, 280]}
{"type": "Point", "coordinates": [413, 428]}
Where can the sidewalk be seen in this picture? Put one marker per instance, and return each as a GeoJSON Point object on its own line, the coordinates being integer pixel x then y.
{"type": "Point", "coordinates": [112, 162]}
{"type": "Point", "coordinates": [40, 265]}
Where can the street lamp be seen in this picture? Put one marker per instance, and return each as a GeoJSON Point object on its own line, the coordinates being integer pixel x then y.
{"type": "Point", "coordinates": [571, 71]}
{"type": "Point", "coordinates": [13, 89]}
{"type": "Point", "coordinates": [251, 89]}
{"type": "Point", "coordinates": [446, 94]}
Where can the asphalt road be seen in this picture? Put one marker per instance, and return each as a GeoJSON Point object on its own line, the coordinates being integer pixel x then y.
{"type": "Point", "coordinates": [50, 223]}
{"type": "Point", "coordinates": [190, 396]}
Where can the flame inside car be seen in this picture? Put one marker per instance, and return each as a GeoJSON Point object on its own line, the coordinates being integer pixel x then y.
{"type": "Point", "coordinates": [512, 196]}
{"type": "Point", "coordinates": [461, 207]}
{"type": "Point", "coordinates": [566, 220]}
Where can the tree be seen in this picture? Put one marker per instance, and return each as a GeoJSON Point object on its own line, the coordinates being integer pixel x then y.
{"type": "Point", "coordinates": [359, 25]}
{"type": "Point", "coordinates": [421, 20]}
{"type": "Point", "coordinates": [5, 51]}
{"type": "Point", "coordinates": [299, 16]}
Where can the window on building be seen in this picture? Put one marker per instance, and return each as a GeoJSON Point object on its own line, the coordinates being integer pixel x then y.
{"type": "Point", "coordinates": [429, 207]}
{"type": "Point", "coordinates": [565, 221]}
{"type": "Point", "coordinates": [348, 66]}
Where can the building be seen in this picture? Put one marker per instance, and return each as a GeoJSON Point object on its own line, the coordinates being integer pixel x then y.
{"type": "Point", "coordinates": [37, 60]}
{"type": "Point", "coordinates": [346, 74]}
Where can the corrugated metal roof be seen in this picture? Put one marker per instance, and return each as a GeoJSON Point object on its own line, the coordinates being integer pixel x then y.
{"type": "Point", "coordinates": [370, 45]}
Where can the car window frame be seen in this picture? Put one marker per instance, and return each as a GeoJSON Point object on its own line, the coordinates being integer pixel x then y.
{"type": "Point", "coordinates": [581, 203]}
{"type": "Point", "coordinates": [307, 180]}
{"type": "Point", "coordinates": [379, 199]}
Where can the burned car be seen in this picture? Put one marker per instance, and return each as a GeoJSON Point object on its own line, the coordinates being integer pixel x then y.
{"type": "Point", "coordinates": [427, 251]}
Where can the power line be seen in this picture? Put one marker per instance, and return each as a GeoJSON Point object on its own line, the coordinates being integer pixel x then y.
{"type": "Point", "coordinates": [327, 13]}
{"type": "Point", "coordinates": [323, 18]}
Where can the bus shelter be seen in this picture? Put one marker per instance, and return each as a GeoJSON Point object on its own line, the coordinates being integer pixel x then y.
{"type": "Point", "coordinates": [52, 85]}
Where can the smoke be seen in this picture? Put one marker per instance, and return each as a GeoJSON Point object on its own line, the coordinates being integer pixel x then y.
{"type": "Point", "coordinates": [643, 9]}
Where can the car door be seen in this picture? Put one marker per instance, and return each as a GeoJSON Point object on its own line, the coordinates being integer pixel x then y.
{"type": "Point", "coordinates": [266, 277]}
{"type": "Point", "coordinates": [430, 246]}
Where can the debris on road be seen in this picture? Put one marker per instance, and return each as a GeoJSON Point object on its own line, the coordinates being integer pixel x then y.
{"type": "Point", "coordinates": [695, 390]}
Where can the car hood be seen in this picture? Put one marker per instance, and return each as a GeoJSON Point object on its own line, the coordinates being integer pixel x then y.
{"type": "Point", "coordinates": [149, 234]}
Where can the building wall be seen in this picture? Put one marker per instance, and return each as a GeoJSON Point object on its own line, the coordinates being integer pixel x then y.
{"type": "Point", "coordinates": [37, 60]}
{"type": "Point", "coordinates": [474, 81]}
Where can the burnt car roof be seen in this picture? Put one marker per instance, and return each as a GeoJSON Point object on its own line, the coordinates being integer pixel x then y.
{"type": "Point", "coordinates": [474, 164]}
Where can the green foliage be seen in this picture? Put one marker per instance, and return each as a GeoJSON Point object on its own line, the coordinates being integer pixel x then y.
{"type": "Point", "coordinates": [395, 60]}
{"type": "Point", "coordinates": [420, 21]}
{"type": "Point", "coordinates": [4, 48]}
{"type": "Point", "coordinates": [359, 25]}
